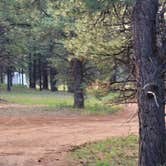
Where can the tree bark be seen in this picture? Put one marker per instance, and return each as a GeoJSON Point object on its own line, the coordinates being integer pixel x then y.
{"type": "Point", "coordinates": [53, 73]}
{"type": "Point", "coordinates": [9, 79]}
{"type": "Point", "coordinates": [22, 75]}
{"type": "Point", "coordinates": [45, 76]}
{"type": "Point", "coordinates": [30, 68]}
{"type": "Point", "coordinates": [70, 80]}
{"type": "Point", "coordinates": [33, 84]}
{"type": "Point", "coordinates": [2, 77]}
{"type": "Point", "coordinates": [78, 83]}
{"type": "Point", "coordinates": [40, 73]}
{"type": "Point", "coordinates": [150, 85]}
{"type": "Point", "coordinates": [70, 87]}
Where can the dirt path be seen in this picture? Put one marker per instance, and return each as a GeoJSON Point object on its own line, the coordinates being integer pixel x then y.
{"type": "Point", "coordinates": [43, 139]}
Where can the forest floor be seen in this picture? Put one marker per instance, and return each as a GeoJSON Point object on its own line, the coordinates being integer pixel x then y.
{"type": "Point", "coordinates": [30, 137]}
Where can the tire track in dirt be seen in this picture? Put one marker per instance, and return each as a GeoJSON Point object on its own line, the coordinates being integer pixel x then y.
{"type": "Point", "coordinates": [44, 140]}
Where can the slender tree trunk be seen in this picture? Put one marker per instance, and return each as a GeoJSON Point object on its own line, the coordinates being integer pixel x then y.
{"type": "Point", "coordinates": [22, 74]}
{"type": "Point", "coordinates": [34, 74]}
{"type": "Point", "coordinates": [19, 76]}
{"type": "Point", "coordinates": [40, 74]}
{"type": "Point", "coordinates": [9, 77]}
{"type": "Point", "coordinates": [45, 76]}
{"type": "Point", "coordinates": [53, 81]}
{"type": "Point", "coordinates": [114, 74]}
{"type": "Point", "coordinates": [150, 85]}
{"type": "Point", "coordinates": [78, 83]}
{"type": "Point", "coordinates": [70, 87]}
{"type": "Point", "coordinates": [30, 70]}
{"type": "Point", "coordinates": [2, 77]}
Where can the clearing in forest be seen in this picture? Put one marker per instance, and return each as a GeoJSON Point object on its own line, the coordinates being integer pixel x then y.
{"type": "Point", "coordinates": [34, 137]}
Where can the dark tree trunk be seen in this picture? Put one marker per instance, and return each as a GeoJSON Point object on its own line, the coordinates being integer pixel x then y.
{"type": "Point", "coordinates": [70, 80]}
{"type": "Point", "coordinates": [22, 74]}
{"type": "Point", "coordinates": [53, 73]}
{"type": "Point", "coordinates": [33, 81]}
{"type": "Point", "coordinates": [2, 78]}
{"type": "Point", "coordinates": [114, 74]}
{"type": "Point", "coordinates": [150, 85]}
{"type": "Point", "coordinates": [40, 74]}
{"type": "Point", "coordinates": [78, 83]}
{"type": "Point", "coordinates": [70, 87]}
{"type": "Point", "coordinates": [9, 78]}
{"type": "Point", "coordinates": [19, 72]}
{"type": "Point", "coordinates": [30, 71]}
{"type": "Point", "coordinates": [45, 76]}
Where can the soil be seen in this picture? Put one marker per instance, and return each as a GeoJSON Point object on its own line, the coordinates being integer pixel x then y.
{"type": "Point", "coordinates": [33, 137]}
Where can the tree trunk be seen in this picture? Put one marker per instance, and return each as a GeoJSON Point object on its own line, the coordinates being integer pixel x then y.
{"type": "Point", "coordinates": [2, 78]}
{"type": "Point", "coordinates": [45, 76]}
{"type": "Point", "coordinates": [9, 78]}
{"type": "Point", "coordinates": [33, 83]}
{"type": "Point", "coordinates": [22, 75]}
{"type": "Point", "coordinates": [70, 79]}
{"type": "Point", "coordinates": [40, 74]}
{"type": "Point", "coordinates": [53, 81]}
{"type": "Point", "coordinates": [113, 77]}
{"type": "Point", "coordinates": [150, 85]}
{"type": "Point", "coordinates": [70, 87]}
{"type": "Point", "coordinates": [78, 83]}
{"type": "Point", "coordinates": [30, 70]}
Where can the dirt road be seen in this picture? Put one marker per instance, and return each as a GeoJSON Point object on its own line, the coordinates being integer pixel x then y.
{"type": "Point", "coordinates": [39, 138]}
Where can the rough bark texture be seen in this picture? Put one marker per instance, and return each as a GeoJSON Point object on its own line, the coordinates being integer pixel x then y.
{"type": "Point", "coordinates": [78, 83]}
{"type": "Point", "coordinates": [150, 85]}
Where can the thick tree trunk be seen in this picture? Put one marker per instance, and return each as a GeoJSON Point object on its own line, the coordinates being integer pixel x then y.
{"type": "Point", "coordinates": [53, 73]}
{"type": "Point", "coordinates": [45, 76]}
{"type": "Point", "coordinates": [70, 80]}
{"type": "Point", "coordinates": [78, 83]}
{"type": "Point", "coordinates": [150, 85]}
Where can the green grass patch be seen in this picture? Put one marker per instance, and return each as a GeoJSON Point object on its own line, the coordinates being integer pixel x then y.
{"type": "Point", "coordinates": [34, 97]}
{"type": "Point", "coordinates": [51, 100]}
{"type": "Point", "coordinates": [111, 152]}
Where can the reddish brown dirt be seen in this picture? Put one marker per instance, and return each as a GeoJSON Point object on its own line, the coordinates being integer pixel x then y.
{"type": "Point", "coordinates": [44, 138]}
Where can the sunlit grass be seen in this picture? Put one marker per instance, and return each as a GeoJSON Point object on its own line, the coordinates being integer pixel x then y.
{"type": "Point", "coordinates": [112, 152]}
{"type": "Point", "coordinates": [23, 95]}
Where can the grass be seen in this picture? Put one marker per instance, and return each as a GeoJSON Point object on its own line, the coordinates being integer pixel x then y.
{"type": "Point", "coordinates": [112, 152]}
{"type": "Point", "coordinates": [32, 97]}
{"type": "Point", "coordinates": [23, 95]}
